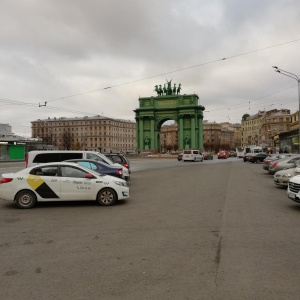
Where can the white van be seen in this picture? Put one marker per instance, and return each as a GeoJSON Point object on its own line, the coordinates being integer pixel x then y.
{"type": "Point", "coordinates": [41, 156]}
{"type": "Point", "coordinates": [192, 155]}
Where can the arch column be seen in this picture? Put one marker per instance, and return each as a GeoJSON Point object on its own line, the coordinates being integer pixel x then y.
{"type": "Point", "coordinates": [137, 130]}
{"type": "Point", "coordinates": [193, 132]}
{"type": "Point", "coordinates": [200, 132]}
{"type": "Point", "coordinates": [153, 139]}
{"type": "Point", "coordinates": [180, 137]}
{"type": "Point", "coordinates": [141, 133]}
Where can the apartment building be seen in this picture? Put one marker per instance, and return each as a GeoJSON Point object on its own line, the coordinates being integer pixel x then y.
{"type": "Point", "coordinates": [289, 140]}
{"type": "Point", "coordinates": [169, 137]}
{"type": "Point", "coordinates": [221, 135]}
{"type": "Point", "coordinates": [263, 128]}
{"type": "Point", "coordinates": [211, 135]}
{"type": "Point", "coordinates": [96, 133]}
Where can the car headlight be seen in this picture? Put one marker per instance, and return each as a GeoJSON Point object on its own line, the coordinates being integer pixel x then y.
{"type": "Point", "coordinates": [121, 183]}
{"type": "Point", "coordinates": [287, 175]}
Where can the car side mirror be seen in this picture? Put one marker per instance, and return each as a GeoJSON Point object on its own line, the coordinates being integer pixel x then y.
{"type": "Point", "coordinates": [89, 176]}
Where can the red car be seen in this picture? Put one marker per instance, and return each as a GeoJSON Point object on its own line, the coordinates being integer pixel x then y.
{"type": "Point", "coordinates": [223, 154]}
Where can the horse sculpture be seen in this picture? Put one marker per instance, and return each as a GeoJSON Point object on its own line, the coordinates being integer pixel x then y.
{"type": "Point", "coordinates": [167, 90]}
{"type": "Point", "coordinates": [174, 89]}
{"type": "Point", "coordinates": [179, 88]}
{"type": "Point", "coordinates": [158, 90]}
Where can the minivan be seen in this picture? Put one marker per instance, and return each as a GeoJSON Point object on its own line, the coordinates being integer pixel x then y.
{"type": "Point", "coordinates": [40, 156]}
{"type": "Point", "coordinates": [192, 155]}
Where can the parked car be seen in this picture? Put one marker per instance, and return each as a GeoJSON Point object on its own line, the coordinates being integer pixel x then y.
{"type": "Point", "coordinates": [61, 181]}
{"type": "Point", "coordinates": [119, 158]}
{"type": "Point", "coordinates": [179, 156]}
{"type": "Point", "coordinates": [293, 190]}
{"type": "Point", "coordinates": [207, 156]}
{"type": "Point", "coordinates": [44, 156]}
{"type": "Point", "coordinates": [257, 157]}
{"type": "Point", "coordinates": [223, 154]}
{"type": "Point", "coordinates": [99, 167]}
{"type": "Point", "coordinates": [232, 153]}
{"type": "Point", "coordinates": [268, 160]}
{"type": "Point", "coordinates": [281, 178]}
{"type": "Point", "coordinates": [192, 155]}
{"type": "Point", "coordinates": [247, 156]}
{"type": "Point", "coordinates": [283, 163]}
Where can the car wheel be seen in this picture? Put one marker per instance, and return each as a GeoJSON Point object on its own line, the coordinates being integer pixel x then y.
{"type": "Point", "coordinates": [257, 161]}
{"type": "Point", "coordinates": [25, 199]}
{"type": "Point", "coordinates": [107, 197]}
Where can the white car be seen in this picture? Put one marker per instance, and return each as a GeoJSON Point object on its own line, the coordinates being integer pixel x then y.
{"type": "Point", "coordinates": [293, 191]}
{"type": "Point", "coordinates": [61, 181]}
{"type": "Point", "coordinates": [192, 155]}
{"type": "Point", "coordinates": [282, 177]}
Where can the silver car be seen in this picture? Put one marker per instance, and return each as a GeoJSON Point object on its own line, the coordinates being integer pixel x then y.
{"type": "Point", "coordinates": [281, 178]}
{"type": "Point", "coordinates": [270, 159]}
{"type": "Point", "coordinates": [283, 163]}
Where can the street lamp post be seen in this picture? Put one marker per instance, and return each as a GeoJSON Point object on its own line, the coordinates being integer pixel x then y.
{"type": "Point", "coordinates": [294, 76]}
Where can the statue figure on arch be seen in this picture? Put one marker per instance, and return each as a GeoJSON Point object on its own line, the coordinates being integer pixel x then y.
{"type": "Point", "coordinates": [165, 91]}
{"type": "Point", "coordinates": [179, 88]}
{"type": "Point", "coordinates": [174, 89]}
{"type": "Point", "coordinates": [187, 141]}
{"type": "Point", "coordinates": [147, 142]}
{"type": "Point", "coordinates": [169, 88]}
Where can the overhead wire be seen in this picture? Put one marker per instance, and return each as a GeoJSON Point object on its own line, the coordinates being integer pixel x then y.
{"type": "Point", "coordinates": [14, 102]}
{"type": "Point", "coordinates": [175, 71]}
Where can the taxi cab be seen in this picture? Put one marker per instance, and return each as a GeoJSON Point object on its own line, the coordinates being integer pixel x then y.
{"type": "Point", "coordinates": [61, 181]}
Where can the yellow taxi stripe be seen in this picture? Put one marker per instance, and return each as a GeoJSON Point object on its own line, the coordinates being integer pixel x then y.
{"type": "Point", "coordinates": [35, 181]}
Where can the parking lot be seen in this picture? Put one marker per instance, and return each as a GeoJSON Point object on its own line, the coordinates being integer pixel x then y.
{"type": "Point", "coordinates": [216, 229]}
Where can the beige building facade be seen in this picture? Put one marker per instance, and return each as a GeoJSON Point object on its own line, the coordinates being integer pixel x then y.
{"type": "Point", "coordinates": [221, 135]}
{"type": "Point", "coordinates": [263, 128]}
{"type": "Point", "coordinates": [88, 133]}
{"type": "Point", "coordinates": [169, 137]}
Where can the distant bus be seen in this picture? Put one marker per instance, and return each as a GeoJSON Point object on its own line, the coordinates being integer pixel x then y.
{"type": "Point", "coordinates": [240, 152]}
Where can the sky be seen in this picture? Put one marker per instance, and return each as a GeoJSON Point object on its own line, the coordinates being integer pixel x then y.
{"type": "Point", "coordinates": [97, 57]}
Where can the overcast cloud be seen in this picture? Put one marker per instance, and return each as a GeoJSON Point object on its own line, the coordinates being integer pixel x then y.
{"type": "Point", "coordinates": [67, 52]}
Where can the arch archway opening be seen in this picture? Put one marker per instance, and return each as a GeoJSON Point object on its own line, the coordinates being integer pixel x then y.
{"type": "Point", "coordinates": [168, 136]}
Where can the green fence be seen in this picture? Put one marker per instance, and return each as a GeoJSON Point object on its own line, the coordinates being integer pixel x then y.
{"type": "Point", "coordinates": [12, 152]}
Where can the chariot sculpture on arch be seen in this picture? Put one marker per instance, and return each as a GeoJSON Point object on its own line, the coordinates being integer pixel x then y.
{"type": "Point", "coordinates": [167, 90]}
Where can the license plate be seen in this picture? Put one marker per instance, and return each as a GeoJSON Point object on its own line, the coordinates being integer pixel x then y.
{"type": "Point", "coordinates": [292, 196]}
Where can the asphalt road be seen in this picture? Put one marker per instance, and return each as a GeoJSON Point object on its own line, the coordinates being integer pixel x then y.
{"type": "Point", "coordinates": [211, 230]}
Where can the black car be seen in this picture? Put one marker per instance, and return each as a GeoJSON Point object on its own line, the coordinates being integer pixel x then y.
{"type": "Point", "coordinates": [257, 157]}
{"type": "Point", "coordinates": [207, 156]}
{"type": "Point", "coordinates": [99, 167]}
{"type": "Point", "coordinates": [120, 159]}
{"type": "Point", "coordinates": [247, 156]}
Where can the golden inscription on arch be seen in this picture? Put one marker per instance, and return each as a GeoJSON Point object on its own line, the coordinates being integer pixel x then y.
{"type": "Point", "coordinates": [167, 102]}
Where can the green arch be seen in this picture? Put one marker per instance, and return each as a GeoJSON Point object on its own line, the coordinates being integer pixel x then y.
{"type": "Point", "coordinates": [153, 111]}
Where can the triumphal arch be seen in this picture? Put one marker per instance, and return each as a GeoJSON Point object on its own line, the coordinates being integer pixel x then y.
{"type": "Point", "coordinates": [169, 104]}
